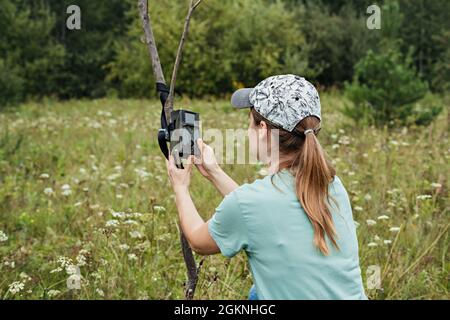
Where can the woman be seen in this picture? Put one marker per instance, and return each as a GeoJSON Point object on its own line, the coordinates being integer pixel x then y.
{"type": "Point", "coordinates": [300, 245]}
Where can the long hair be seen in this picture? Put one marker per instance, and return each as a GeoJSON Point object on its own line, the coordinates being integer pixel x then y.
{"type": "Point", "coordinates": [307, 161]}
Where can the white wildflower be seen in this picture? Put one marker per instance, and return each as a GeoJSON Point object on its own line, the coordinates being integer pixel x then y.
{"type": "Point", "coordinates": [124, 247]}
{"type": "Point", "coordinates": [59, 269]}
{"type": "Point", "coordinates": [48, 191]}
{"type": "Point", "coordinates": [423, 197]}
{"type": "Point", "coordinates": [136, 234]}
{"type": "Point", "coordinates": [159, 209]}
{"type": "Point", "coordinates": [66, 191]}
{"type": "Point", "coordinates": [371, 222]}
{"type": "Point", "coordinates": [142, 173]}
{"type": "Point", "coordinates": [100, 292]}
{"type": "Point", "coordinates": [44, 176]}
{"type": "Point", "coordinates": [24, 276]}
{"type": "Point", "coordinates": [81, 260]}
{"type": "Point", "coordinates": [16, 287]}
{"type": "Point", "coordinates": [436, 185]}
{"type": "Point", "coordinates": [387, 242]}
{"type": "Point", "coordinates": [394, 229]}
{"type": "Point", "coordinates": [64, 261]}
{"type": "Point", "coordinates": [53, 293]}
{"type": "Point", "coordinates": [114, 176]}
{"type": "Point", "coordinates": [118, 214]}
{"type": "Point", "coordinates": [357, 208]}
{"type": "Point", "coordinates": [383, 217]}
{"type": "Point", "coordinates": [112, 223]}
{"type": "Point", "coordinates": [72, 269]}
{"type": "Point", "coordinates": [131, 222]}
{"type": "Point", "coordinates": [132, 256]}
{"type": "Point", "coordinates": [3, 236]}
{"type": "Point", "coordinates": [344, 140]}
{"type": "Point", "coordinates": [394, 142]}
{"type": "Point", "coordinates": [372, 244]}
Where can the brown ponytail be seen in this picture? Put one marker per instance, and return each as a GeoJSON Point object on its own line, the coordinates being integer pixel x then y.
{"type": "Point", "coordinates": [313, 173]}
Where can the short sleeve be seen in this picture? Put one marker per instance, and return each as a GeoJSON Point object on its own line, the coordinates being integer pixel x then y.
{"type": "Point", "coordinates": [227, 226]}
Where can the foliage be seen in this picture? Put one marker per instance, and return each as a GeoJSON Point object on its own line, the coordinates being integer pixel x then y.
{"type": "Point", "coordinates": [240, 40]}
{"type": "Point", "coordinates": [105, 204]}
{"type": "Point", "coordinates": [384, 90]}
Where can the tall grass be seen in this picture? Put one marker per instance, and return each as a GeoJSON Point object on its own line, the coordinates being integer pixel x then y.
{"type": "Point", "coordinates": [82, 183]}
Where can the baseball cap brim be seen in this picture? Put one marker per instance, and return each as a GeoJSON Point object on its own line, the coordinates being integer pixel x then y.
{"type": "Point", "coordinates": [241, 98]}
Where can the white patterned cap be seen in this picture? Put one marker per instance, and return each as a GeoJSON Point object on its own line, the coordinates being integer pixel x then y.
{"type": "Point", "coordinates": [284, 100]}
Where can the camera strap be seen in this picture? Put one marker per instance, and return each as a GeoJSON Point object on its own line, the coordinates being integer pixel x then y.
{"type": "Point", "coordinates": [164, 132]}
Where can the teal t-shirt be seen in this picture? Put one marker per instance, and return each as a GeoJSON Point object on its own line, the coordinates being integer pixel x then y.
{"type": "Point", "coordinates": [269, 223]}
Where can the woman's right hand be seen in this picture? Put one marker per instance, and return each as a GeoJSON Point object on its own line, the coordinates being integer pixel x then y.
{"type": "Point", "coordinates": [206, 163]}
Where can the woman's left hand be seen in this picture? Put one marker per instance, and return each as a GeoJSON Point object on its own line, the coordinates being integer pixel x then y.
{"type": "Point", "coordinates": [179, 178]}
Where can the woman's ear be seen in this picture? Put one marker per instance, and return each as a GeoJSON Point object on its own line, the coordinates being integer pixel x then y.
{"type": "Point", "coordinates": [263, 130]}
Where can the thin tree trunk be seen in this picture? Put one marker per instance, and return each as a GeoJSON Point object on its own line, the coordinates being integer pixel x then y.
{"type": "Point", "coordinates": [149, 39]}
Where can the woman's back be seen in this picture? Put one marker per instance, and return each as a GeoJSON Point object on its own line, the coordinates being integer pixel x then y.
{"type": "Point", "coordinates": [266, 219]}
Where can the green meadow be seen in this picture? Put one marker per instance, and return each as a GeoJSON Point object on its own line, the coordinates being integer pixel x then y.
{"type": "Point", "coordinates": [84, 195]}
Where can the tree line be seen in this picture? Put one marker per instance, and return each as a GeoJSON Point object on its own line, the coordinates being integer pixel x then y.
{"type": "Point", "coordinates": [232, 43]}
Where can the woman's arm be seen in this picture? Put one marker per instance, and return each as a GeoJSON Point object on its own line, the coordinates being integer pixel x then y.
{"type": "Point", "coordinates": [209, 168]}
{"type": "Point", "coordinates": [194, 227]}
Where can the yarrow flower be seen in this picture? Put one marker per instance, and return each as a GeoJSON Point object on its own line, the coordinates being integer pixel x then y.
{"type": "Point", "coordinates": [159, 209]}
{"type": "Point", "coordinates": [3, 236]}
{"type": "Point", "coordinates": [53, 293]}
{"type": "Point", "coordinates": [372, 244]}
{"type": "Point", "coordinates": [132, 256]}
{"type": "Point", "coordinates": [118, 214]}
{"type": "Point", "coordinates": [394, 229]}
{"type": "Point", "coordinates": [383, 217]}
{"type": "Point", "coordinates": [44, 176]}
{"type": "Point", "coordinates": [136, 234]}
{"type": "Point", "coordinates": [16, 287]}
{"type": "Point", "coordinates": [66, 190]}
{"type": "Point", "coordinates": [48, 191]}
{"type": "Point", "coordinates": [423, 197]}
{"type": "Point", "coordinates": [112, 223]}
{"type": "Point", "coordinates": [124, 247]}
{"type": "Point", "coordinates": [371, 222]}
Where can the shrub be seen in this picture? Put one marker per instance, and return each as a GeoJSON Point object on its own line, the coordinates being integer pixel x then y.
{"type": "Point", "coordinates": [386, 90]}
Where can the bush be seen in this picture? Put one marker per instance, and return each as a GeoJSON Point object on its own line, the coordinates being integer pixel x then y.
{"type": "Point", "coordinates": [231, 44]}
{"type": "Point", "coordinates": [386, 90]}
{"type": "Point", "coordinates": [11, 85]}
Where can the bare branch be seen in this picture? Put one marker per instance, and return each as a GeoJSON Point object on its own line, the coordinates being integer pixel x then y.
{"type": "Point", "coordinates": [150, 40]}
{"type": "Point", "coordinates": [187, 20]}
{"type": "Point", "coordinates": [196, 4]}
{"type": "Point", "coordinates": [192, 269]}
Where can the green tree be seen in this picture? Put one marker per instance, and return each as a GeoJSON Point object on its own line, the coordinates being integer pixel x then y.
{"type": "Point", "coordinates": [231, 44]}
{"type": "Point", "coordinates": [385, 91]}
